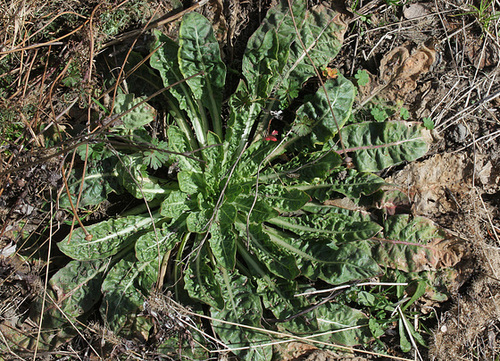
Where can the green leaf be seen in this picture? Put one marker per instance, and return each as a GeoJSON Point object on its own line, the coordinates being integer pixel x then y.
{"type": "Point", "coordinates": [243, 115]}
{"type": "Point", "coordinates": [253, 158]}
{"type": "Point", "coordinates": [334, 316]}
{"type": "Point", "coordinates": [155, 158]}
{"type": "Point", "coordinates": [404, 343]}
{"type": "Point", "coordinates": [376, 146]}
{"type": "Point", "coordinates": [213, 154]}
{"type": "Point", "coordinates": [178, 142]}
{"type": "Point", "coordinates": [198, 221]}
{"type": "Point", "coordinates": [200, 281]}
{"type": "Point", "coordinates": [321, 259]}
{"type": "Point", "coordinates": [348, 182]}
{"type": "Point", "coordinates": [260, 210]}
{"type": "Point", "coordinates": [135, 179]}
{"type": "Point", "coordinates": [223, 237]}
{"type": "Point", "coordinates": [100, 180]}
{"type": "Point", "coordinates": [108, 238]}
{"type": "Point", "coordinates": [78, 286]}
{"type": "Point", "coordinates": [199, 51]}
{"type": "Point", "coordinates": [137, 118]}
{"type": "Point", "coordinates": [409, 244]}
{"type": "Point", "coordinates": [165, 60]}
{"type": "Point", "coordinates": [322, 34]}
{"type": "Point", "coordinates": [336, 228]}
{"type": "Point", "coordinates": [276, 59]}
{"type": "Point", "coordinates": [191, 182]}
{"type": "Point", "coordinates": [306, 168]}
{"type": "Point", "coordinates": [278, 259]}
{"type": "Point", "coordinates": [262, 61]}
{"type": "Point", "coordinates": [278, 296]}
{"type": "Point", "coordinates": [317, 116]}
{"type": "Point", "coordinates": [404, 113]}
{"type": "Point", "coordinates": [242, 306]}
{"type": "Point", "coordinates": [124, 290]}
{"type": "Point", "coordinates": [282, 199]}
{"type": "Point", "coordinates": [428, 123]}
{"type": "Point", "coordinates": [175, 204]}
{"type": "Point", "coordinates": [153, 245]}
{"type": "Point", "coordinates": [362, 77]}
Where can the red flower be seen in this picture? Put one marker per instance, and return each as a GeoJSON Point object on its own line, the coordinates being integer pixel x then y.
{"type": "Point", "coordinates": [272, 137]}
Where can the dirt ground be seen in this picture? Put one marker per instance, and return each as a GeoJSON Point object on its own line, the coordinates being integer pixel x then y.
{"type": "Point", "coordinates": [438, 59]}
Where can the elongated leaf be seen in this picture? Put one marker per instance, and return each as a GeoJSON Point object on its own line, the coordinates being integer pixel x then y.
{"type": "Point", "coordinates": [176, 203]}
{"type": "Point", "coordinates": [282, 199]}
{"type": "Point", "coordinates": [137, 118]}
{"type": "Point", "coordinates": [409, 244]}
{"type": "Point", "coordinates": [191, 182]}
{"type": "Point", "coordinates": [243, 306]}
{"type": "Point", "coordinates": [108, 238]}
{"type": "Point", "coordinates": [306, 168]}
{"type": "Point", "coordinates": [276, 59]}
{"type": "Point", "coordinates": [336, 228]}
{"type": "Point", "coordinates": [320, 259]}
{"type": "Point", "coordinates": [134, 178]}
{"type": "Point", "coordinates": [376, 146]}
{"type": "Point", "coordinates": [153, 245]}
{"type": "Point", "coordinates": [259, 210]}
{"type": "Point", "coordinates": [278, 259]}
{"type": "Point", "coordinates": [333, 316]}
{"type": "Point", "coordinates": [213, 154]}
{"type": "Point", "coordinates": [322, 34]}
{"type": "Point", "coordinates": [348, 182]}
{"type": "Point", "coordinates": [199, 51]}
{"type": "Point", "coordinates": [279, 297]}
{"type": "Point", "coordinates": [100, 180]}
{"type": "Point", "coordinates": [243, 115]}
{"type": "Point", "coordinates": [78, 286]}
{"type": "Point", "coordinates": [253, 158]}
{"type": "Point", "coordinates": [165, 60]}
{"type": "Point", "coordinates": [263, 61]}
{"type": "Point", "coordinates": [201, 284]}
{"type": "Point", "coordinates": [198, 221]}
{"type": "Point", "coordinates": [124, 290]}
{"type": "Point", "coordinates": [179, 143]}
{"type": "Point", "coordinates": [320, 119]}
{"type": "Point", "coordinates": [223, 237]}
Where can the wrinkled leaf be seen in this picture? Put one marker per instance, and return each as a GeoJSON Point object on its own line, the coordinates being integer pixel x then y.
{"type": "Point", "coordinates": [376, 146]}
{"type": "Point", "coordinates": [108, 238]}
{"type": "Point", "coordinates": [134, 178]}
{"type": "Point", "coordinates": [100, 180]}
{"type": "Point", "coordinates": [199, 51]}
{"type": "Point", "coordinates": [223, 243]}
{"type": "Point", "coordinates": [408, 244]}
{"type": "Point", "coordinates": [201, 284]}
{"type": "Point", "coordinates": [259, 209]}
{"type": "Point", "coordinates": [278, 259]}
{"type": "Point", "coordinates": [179, 143]}
{"type": "Point", "coordinates": [282, 199]}
{"type": "Point", "coordinates": [140, 116]}
{"type": "Point", "coordinates": [319, 119]}
{"type": "Point", "coordinates": [243, 306]}
{"type": "Point", "coordinates": [333, 316]}
{"type": "Point", "coordinates": [124, 290]}
{"type": "Point", "coordinates": [78, 285]}
{"type": "Point", "coordinates": [334, 227]}
{"type": "Point", "coordinates": [348, 182]}
{"type": "Point", "coordinates": [153, 245]}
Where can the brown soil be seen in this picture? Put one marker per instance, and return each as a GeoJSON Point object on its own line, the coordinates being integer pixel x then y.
{"type": "Point", "coordinates": [427, 57]}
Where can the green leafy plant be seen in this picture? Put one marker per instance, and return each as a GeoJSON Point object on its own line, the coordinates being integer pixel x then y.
{"type": "Point", "coordinates": [428, 123]}
{"type": "Point", "coordinates": [243, 220]}
{"type": "Point", "coordinates": [362, 77]}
